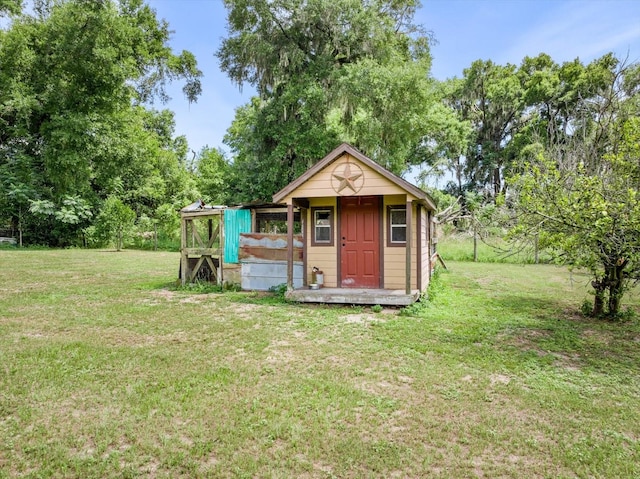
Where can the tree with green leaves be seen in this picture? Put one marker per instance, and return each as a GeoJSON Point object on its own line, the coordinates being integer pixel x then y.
{"type": "Point", "coordinates": [75, 79]}
{"type": "Point", "coordinates": [17, 196]}
{"type": "Point", "coordinates": [569, 113]}
{"type": "Point", "coordinates": [325, 71]}
{"type": "Point", "coordinates": [509, 108]}
{"type": "Point", "coordinates": [10, 7]}
{"type": "Point", "coordinates": [443, 150]}
{"type": "Point", "coordinates": [490, 98]}
{"type": "Point", "coordinates": [212, 175]}
{"type": "Point", "coordinates": [580, 195]}
{"type": "Point", "coordinates": [115, 221]}
{"type": "Point", "coordinates": [588, 221]}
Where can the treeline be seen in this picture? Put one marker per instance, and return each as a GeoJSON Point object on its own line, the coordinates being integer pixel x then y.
{"type": "Point", "coordinates": [82, 153]}
{"type": "Point", "coordinates": [513, 110]}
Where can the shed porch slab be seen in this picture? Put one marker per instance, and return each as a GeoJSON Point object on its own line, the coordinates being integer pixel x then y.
{"type": "Point", "coordinates": [383, 297]}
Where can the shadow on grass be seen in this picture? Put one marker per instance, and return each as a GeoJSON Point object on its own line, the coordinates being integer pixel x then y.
{"type": "Point", "coordinates": [537, 307]}
{"type": "Point", "coordinates": [555, 329]}
{"type": "Point", "coordinates": [520, 332]}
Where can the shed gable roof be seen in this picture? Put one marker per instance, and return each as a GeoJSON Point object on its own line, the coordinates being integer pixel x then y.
{"type": "Point", "coordinates": [336, 154]}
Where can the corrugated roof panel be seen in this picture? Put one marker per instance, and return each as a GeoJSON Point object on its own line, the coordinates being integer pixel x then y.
{"type": "Point", "coordinates": [235, 222]}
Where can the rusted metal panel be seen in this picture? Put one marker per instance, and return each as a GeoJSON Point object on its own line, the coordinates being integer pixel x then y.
{"type": "Point", "coordinates": [264, 260]}
{"type": "Point", "coordinates": [270, 247]}
{"type": "Point", "coordinates": [273, 241]}
{"type": "Point", "coordinates": [248, 253]}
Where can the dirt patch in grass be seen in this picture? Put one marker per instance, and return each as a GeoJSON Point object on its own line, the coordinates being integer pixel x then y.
{"type": "Point", "coordinates": [501, 379]}
{"type": "Point", "coordinates": [165, 294]}
{"type": "Point", "coordinates": [598, 336]}
{"type": "Point", "coordinates": [526, 340]}
{"type": "Point", "coordinates": [364, 318]}
{"type": "Point", "coordinates": [280, 353]}
{"type": "Point", "coordinates": [569, 362]}
{"type": "Point", "coordinates": [387, 391]}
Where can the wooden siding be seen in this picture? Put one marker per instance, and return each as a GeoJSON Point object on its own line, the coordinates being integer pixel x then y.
{"type": "Point", "coordinates": [320, 185]}
{"type": "Point", "coordinates": [426, 255]}
{"type": "Point", "coordinates": [326, 257]}
{"type": "Point", "coordinates": [323, 257]}
{"type": "Point", "coordinates": [339, 153]}
{"type": "Point", "coordinates": [394, 257]}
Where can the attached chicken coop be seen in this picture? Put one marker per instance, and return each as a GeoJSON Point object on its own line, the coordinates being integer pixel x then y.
{"type": "Point", "coordinates": [244, 245]}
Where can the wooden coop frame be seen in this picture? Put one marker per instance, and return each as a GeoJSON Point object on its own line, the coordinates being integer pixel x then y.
{"type": "Point", "coordinates": [201, 256]}
{"type": "Point", "coordinates": [212, 246]}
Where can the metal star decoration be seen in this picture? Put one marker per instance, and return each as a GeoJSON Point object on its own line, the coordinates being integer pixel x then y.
{"type": "Point", "coordinates": [347, 179]}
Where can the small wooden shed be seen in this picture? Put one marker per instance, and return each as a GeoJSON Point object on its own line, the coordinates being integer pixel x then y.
{"type": "Point", "coordinates": [367, 230]}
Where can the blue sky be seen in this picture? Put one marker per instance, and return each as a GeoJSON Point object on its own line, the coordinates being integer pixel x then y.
{"type": "Point", "coordinates": [504, 31]}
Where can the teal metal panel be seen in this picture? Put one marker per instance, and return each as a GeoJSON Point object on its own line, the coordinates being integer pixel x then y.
{"type": "Point", "coordinates": [235, 222]}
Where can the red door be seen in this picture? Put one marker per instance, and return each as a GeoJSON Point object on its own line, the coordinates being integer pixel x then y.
{"type": "Point", "coordinates": [360, 242]}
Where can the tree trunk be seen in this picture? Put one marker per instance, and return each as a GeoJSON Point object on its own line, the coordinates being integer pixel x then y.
{"type": "Point", "coordinates": [458, 168]}
{"type": "Point", "coordinates": [497, 183]}
{"type": "Point", "coordinates": [155, 236]}
{"type": "Point", "coordinates": [20, 226]}
{"type": "Point", "coordinates": [475, 241]}
{"type": "Point", "coordinates": [615, 298]}
{"type": "Point", "coordinates": [616, 287]}
{"type": "Point", "coordinates": [598, 302]}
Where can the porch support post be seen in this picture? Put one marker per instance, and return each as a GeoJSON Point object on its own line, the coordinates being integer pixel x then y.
{"type": "Point", "coordinates": [429, 243]}
{"type": "Point", "coordinates": [303, 224]}
{"type": "Point", "coordinates": [408, 248]}
{"type": "Point", "coordinates": [184, 261]}
{"type": "Point", "coordinates": [419, 245]}
{"type": "Point", "coordinates": [290, 246]}
{"type": "Point", "coordinates": [221, 242]}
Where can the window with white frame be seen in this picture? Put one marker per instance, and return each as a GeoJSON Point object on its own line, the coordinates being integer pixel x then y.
{"type": "Point", "coordinates": [322, 234]}
{"type": "Point", "coordinates": [397, 222]}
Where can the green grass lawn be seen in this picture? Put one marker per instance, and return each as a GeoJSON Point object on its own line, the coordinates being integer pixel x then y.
{"type": "Point", "coordinates": [108, 370]}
